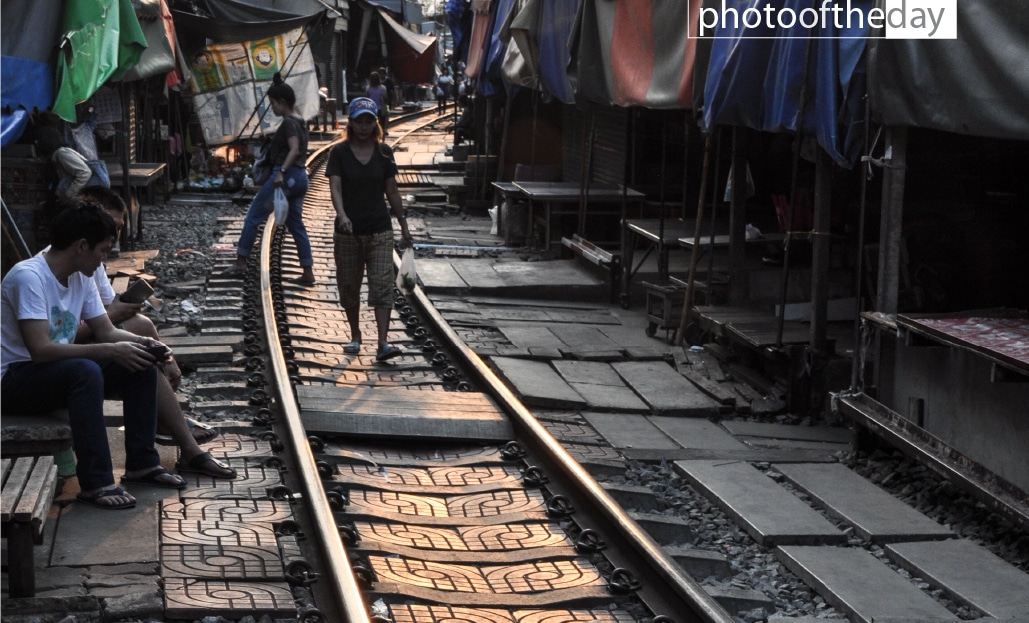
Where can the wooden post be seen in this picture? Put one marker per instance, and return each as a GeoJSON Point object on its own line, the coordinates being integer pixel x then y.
{"type": "Point", "coordinates": [888, 282]}
{"type": "Point", "coordinates": [737, 222]}
{"type": "Point", "coordinates": [820, 251]}
{"type": "Point", "coordinates": [680, 331]}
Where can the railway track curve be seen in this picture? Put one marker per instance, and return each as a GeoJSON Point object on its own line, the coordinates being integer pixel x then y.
{"type": "Point", "coordinates": [506, 526]}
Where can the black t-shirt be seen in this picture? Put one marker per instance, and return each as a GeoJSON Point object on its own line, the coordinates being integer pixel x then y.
{"type": "Point", "coordinates": [279, 147]}
{"type": "Point", "coordinates": [364, 186]}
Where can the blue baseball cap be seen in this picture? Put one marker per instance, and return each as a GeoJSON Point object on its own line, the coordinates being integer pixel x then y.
{"type": "Point", "coordinates": [361, 106]}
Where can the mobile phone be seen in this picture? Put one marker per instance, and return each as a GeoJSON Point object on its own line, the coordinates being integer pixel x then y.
{"type": "Point", "coordinates": [137, 293]}
{"type": "Point", "coordinates": [161, 352]}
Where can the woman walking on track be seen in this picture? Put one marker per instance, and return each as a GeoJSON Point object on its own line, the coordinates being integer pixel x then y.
{"type": "Point", "coordinates": [287, 153]}
{"type": "Point", "coordinates": [362, 176]}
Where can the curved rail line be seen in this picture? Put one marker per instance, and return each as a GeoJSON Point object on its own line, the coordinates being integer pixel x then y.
{"type": "Point", "coordinates": [658, 582]}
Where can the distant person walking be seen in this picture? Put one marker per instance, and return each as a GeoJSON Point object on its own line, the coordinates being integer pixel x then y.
{"type": "Point", "coordinates": [362, 176]}
{"type": "Point", "coordinates": [378, 93]}
{"type": "Point", "coordinates": [444, 90]}
{"type": "Point", "coordinates": [287, 154]}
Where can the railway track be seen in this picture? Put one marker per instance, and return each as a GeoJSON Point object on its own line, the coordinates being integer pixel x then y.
{"type": "Point", "coordinates": [492, 520]}
{"type": "Point", "coordinates": [423, 490]}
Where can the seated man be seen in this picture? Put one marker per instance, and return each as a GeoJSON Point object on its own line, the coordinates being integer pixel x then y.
{"type": "Point", "coordinates": [174, 428]}
{"type": "Point", "coordinates": [42, 300]}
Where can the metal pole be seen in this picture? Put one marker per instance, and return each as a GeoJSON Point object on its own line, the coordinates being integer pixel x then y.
{"type": "Point", "coordinates": [679, 332]}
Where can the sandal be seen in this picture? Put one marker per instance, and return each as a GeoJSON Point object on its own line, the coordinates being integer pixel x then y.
{"type": "Point", "coordinates": [300, 281]}
{"type": "Point", "coordinates": [95, 499]}
{"type": "Point", "coordinates": [352, 348]}
{"type": "Point", "coordinates": [388, 352]}
{"type": "Point", "coordinates": [202, 464]}
{"type": "Point", "coordinates": [153, 479]}
{"type": "Point", "coordinates": [202, 433]}
{"type": "Point", "coordinates": [233, 273]}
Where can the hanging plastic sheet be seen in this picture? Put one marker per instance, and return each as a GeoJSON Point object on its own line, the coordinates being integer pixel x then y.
{"type": "Point", "coordinates": [537, 55]}
{"type": "Point", "coordinates": [757, 77]}
{"type": "Point", "coordinates": [477, 39]}
{"type": "Point", "coordinates": [977, 84]}
{"type": "Point", "coordinates": [27, 66]}
{"type": "Point", "coordinates": [102, 39]}
{"type": "Point", "coordinates": [635, 52]}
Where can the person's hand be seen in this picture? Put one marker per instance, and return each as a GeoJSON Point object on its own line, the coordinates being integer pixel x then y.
{"type": "Point", "coordinates": [131, 355]}
{"type": "Point", "coordinates": [119, 311]}
{"type": "Point", "coordinates": [279, 178]}
{"type": "Point", "coordinates": [172, 372]}
{"type": "Point", "coordinates": [344, 225]}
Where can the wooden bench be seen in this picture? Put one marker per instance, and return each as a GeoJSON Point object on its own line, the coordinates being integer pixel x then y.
{"type": "Point", "coordinates": [35, 434]}
{"type": "Point", "coordinates": [29, 484]}
{"type": "Point", "coordinates": [611, 262]}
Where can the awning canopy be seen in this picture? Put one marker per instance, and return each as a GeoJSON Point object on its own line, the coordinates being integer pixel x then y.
{"type": "Point", "coordinates": [412, 56]}
{"type": "Point", "coordinates": [222, 30]}
{"type": "Point", "coordinates": [29, 43]}
{"type": "Point", "coordinates": [977, 84]}
{"type": "Point", "coordinates": [776, 81]}
{"type": "Point", "coordinates": [635, 52]}
{"type": "Point", "coordinates": [100, 41]}
{"type": "Point", "coordinates": [537, 54]}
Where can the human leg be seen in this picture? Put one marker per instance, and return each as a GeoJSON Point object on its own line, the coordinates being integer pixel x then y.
{"type": "Point", "coordinates": [138, 391]}
{"type": "Point", "coordinates": [296, 186]}
{"type": "Point", "coordinates": [347, 251]}
{"type": "Point", "coordinates": [380, 288]}
{"type": "Point", "coordinates": [78, 385]}
{"type": "Point", "coordinates": [260, 208]}
{"type": "Point", "coordinates": [171, 418]}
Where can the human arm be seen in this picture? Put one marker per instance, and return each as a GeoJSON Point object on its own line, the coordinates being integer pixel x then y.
{"type": "Point", "coordinates": [397, 205]}
{"type": "Point", "coordinates": [123, 347]}
{"type": "Point", "coordinates": [343, 223]}
{"type": "Point", "coordinates": [291, 158]}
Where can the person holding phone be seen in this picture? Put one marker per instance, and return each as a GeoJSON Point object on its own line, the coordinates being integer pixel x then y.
{"type": "Point", "coordinates": [42, 300]}
{"type": "Point", "coordinates": [173, 427]}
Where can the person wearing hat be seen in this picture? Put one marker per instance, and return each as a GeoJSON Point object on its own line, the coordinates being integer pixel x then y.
{"type": "Point", "coordinates": [362, 178]}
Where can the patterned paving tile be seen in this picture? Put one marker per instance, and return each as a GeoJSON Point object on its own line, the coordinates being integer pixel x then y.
{"type": "Point", "coordinates": [416, 613]}
{"type": "Point", "coordinates": [192, 599]}
{"type": "Point", "coordinates": [221, 562]}
{"type": "Point", "coordinates": [267, 511]}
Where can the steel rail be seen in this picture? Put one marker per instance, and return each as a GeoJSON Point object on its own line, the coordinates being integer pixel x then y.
{"type": "Point", "coordinates": [665, 587]}
{"type": "Point", "coordinates": [344, 588]}
{"type": "Point", "coordinates": [343, 584]}
{"type": "Point", "coordinates": [641, 551]}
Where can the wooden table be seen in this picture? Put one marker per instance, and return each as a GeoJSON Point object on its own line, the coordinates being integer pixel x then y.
{"type": "Point", "coordinates": [556, 196]}
{"type": "Point", "coordinates": [141, 175]}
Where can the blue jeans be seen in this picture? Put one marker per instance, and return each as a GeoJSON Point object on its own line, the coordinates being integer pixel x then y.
{"type": "Point", "coordinates": [80, 386]}
{"type": "Point", "coordinates": [294, 184]}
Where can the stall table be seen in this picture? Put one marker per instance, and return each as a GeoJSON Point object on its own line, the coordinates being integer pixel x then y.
{"type": "Point", "coordinates": [556, 197]}
{"type": "Point", "coordinates": [141, 175]}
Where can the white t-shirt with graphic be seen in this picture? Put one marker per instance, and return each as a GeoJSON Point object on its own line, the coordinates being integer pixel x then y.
{"type": "Point", "coordinates": [30, 291]}
{"type": "Point", "coordinates": [103, 283]}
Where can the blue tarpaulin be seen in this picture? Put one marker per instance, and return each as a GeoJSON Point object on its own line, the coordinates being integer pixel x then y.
{"type": "Point", "coordinates": [756, 78]}
{"type": "Point", "coordinates": [555, 27]}
{"type": "Point", "coordinates": [29, 40]}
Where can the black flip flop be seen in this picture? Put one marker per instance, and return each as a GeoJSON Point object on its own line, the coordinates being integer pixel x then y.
{"type": "Point", "coordinates": [197, 465]}
{"type": "Point", "coordinates": [94, 499]}
{"type": "Point", "coordinates": [151, 479]}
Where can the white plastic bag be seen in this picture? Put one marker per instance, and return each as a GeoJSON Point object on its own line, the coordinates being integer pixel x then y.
{"type": "Point", "coordinates": [407, 278]}
{"type": "Point", "coordinates": [281, 206]}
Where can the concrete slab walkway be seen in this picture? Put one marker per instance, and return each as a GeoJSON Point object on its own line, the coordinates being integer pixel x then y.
{"type": "Point", "coordinates": [764, 509]}
{"type": "Point", "coordinates": [862, 587]}
{"type": "Point", "coordinates": [875, 515]}
{"type": "Point", "coordinates": [969, 573]}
